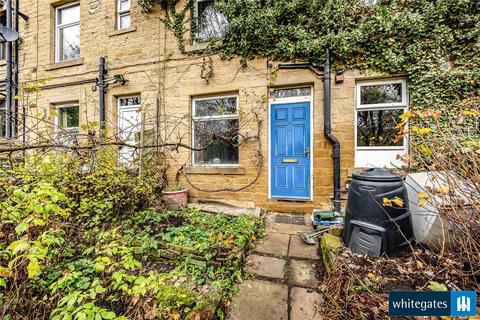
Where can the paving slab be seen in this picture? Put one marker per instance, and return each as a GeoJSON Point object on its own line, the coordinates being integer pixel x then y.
{"type": "Point", "coordinates": [274, 243]}
{"type": "Point", "coordinates": [305, 304]}
{"type": "Point", "coordinates": [285, 228]}
{"type": "Point", "coordinates": [259, 300]}
{"type": "Point", "coordinates": [300, 249]}
{"type": "Point", "coordinates": [302, 273]}
{"type": "Point", "coordinates": [266, 266]}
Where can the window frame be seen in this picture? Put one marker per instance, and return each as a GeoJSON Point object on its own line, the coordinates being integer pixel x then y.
{"type": "Point", "coordinates": [233, 116]}
{"type": "Point", "coordinates": [59, 27]}
{"type": "Point", "coordinates": [122, 13]}
{"type": "Point", "coordinates": [404, 105]}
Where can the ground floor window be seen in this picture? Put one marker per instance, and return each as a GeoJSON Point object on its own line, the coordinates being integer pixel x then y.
{"type": "Point", "coordinates": [129, 127]}
{"type": "Point", "coordinates": [379, 105]}
{"type": "Point", "coordinates": [215, 128]}
{"type": "Point", "coordinates": [67, 123]}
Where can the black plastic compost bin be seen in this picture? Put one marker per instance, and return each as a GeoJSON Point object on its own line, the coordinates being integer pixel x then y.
{"type": "Point", "coordinates": [371, 227]}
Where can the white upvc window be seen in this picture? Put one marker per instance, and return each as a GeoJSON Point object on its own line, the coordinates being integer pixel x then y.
{"type": "Point", "coordinates": [210, 22]}
{"type": "Point", "coordinates": [67, 123]}
{"type": "Point", "coordinates": [124, 15]}
{"type": "Point", "coordinates": [379, 105]}
{"type": "Point", "coordinates": [215, 128]}
{"type": "Point", "coordinates": [128, 128]}
{"type": "Point", "coordinates": [67, 32]}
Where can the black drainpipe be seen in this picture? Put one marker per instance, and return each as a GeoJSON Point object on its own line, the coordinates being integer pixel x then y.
{"type": "Point", "coordinates": [8, 78]}
{"type": "Point", "coordinates": [16, 80]}
{"type": "Point", "coordinates": [102, 70]}
{"type": "Point", "coordinates": [337, 195]}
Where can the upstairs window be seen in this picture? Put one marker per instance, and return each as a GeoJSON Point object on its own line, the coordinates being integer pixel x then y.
{"type": "Point", "coordinates": [3, 22]}
{"type": "Point", "coordinates": [378, 109]}
{"type": "Point", "coordinates": [67, 32]}
{"type": "Point", "coordinates": [211, 23]}
{"type": "Point", "coordinates": [123, 14]}
{"type": "Point", "coordinates": [215, 128]}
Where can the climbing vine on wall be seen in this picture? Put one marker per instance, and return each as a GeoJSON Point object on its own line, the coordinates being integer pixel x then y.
{"type": "Point", "coordinates": [435, 42]}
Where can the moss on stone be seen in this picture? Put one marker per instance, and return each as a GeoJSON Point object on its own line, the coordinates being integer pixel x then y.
{"type": "Point", "coordinates": [330, 244]}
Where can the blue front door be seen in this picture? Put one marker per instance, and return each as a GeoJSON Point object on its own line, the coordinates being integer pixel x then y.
{"type": "Point", "coordinates": [290, 150]}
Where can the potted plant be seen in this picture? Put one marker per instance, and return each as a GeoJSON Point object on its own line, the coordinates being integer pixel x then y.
{"type": "Point", "coordinates": [175, 196]}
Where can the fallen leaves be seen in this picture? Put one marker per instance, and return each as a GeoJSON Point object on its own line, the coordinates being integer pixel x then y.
{"type": "Point", "coordinates": [390, 202]}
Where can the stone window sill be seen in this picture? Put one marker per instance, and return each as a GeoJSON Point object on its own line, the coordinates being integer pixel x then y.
{"type": "Point", "coordinates": [216, 170]}
{"type": "Point", "coordinates": [123, 31]}
{"type": "Point", "coordinates": [196, 47]}
{"type": "Point", "coordinates": [65, 64]}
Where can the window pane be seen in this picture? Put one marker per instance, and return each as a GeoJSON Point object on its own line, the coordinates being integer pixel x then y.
{"type": "Point", "coordinates": [216, 107]}
{"type": "Point", "coordinates": [292, 92]}
{"type": "Point", "coordinates": [69, 117]}
{"type": "Point", "coordinates": [384, 93]}
{"type": "Point", "coordinates": [124, 5]}
{"type": "Point", "coordinates": [211, 23]}
{"type": "Point", "coordinates": [130, 101]}
{"type": "Point", "coordinates": [69, 43]}
{"type": "Point", "coordinates": [69, 15]}
{"type": "Point", "coordinates": [218, 135]}
{"type": "Point", "coordinates": [376, 128]}
{"type": "Point", "coordinates": [124, 21]}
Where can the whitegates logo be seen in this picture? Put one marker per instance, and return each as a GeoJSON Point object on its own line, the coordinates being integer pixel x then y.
{"type": "Point", "coordinates": [463, 304]}
{"type": "Point", "coordinates": [432, 303]}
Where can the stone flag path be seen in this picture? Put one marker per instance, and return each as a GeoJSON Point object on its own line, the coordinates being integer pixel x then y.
{"type": "Point", "coordinates": [285, 282]}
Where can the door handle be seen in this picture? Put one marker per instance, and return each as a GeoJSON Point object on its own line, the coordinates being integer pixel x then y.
{"type": "Point", "coordinates": [308, 153]}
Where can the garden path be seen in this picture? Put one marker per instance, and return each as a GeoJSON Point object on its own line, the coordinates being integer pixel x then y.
{"type": "Point", "coordinates": [285, 272]}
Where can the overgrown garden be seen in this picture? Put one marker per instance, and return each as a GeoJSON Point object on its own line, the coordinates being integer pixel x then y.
{"type": "Point", "coordinates": [78, 244]}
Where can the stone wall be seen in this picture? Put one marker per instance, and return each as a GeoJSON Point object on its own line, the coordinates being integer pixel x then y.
{"type": "Point", "coordinates": [148, 56]}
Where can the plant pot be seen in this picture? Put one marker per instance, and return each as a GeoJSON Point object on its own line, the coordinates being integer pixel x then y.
{"type": "Point", "coordinates": [175, 199]}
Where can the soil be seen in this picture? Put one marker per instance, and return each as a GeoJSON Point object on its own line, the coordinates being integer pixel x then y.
{"type": "Point", "coordinates": [360, 284]}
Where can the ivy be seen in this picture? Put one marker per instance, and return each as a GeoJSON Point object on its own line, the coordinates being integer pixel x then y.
{"type": "Point", "coordinates": [434, 42]}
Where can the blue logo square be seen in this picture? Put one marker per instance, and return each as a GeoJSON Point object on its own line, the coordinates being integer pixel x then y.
{"type": "Point", "coordinates": [463, 303]}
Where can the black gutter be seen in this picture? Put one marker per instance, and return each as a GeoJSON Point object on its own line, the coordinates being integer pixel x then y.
{"type": "Point", "coordinates": [327, 129]}
{"type": "Point", "coordinates": [8, 72]}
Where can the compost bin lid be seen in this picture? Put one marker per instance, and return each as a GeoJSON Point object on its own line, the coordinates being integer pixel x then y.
{"type": "Point", "coordinates": [376, 174]}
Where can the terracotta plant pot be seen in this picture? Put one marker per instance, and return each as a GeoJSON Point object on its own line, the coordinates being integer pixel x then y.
{"type": "Point", "coordinates": [175, 199]}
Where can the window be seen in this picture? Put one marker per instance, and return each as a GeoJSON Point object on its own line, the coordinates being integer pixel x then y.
{"type": "Point", "coordinates": [3, 119]}
{"type": "Point", "coordinates": [67, 123]}
{"type": "Point", "coordinates": [3, 46]}
{"type": "Point", "coordinates": [211, 23]}
{"type": "Point", "coordinates": [123, 14]}
{"type": "Point", "coordinates": [68, 118]}
{"type": "Point", "coordinates": [129, 127]}
{"type": "Point", "coordinates": [378, 109]}
{"type": "Point", "coordinates": [67, 32]}
{"type": "Point", "coordinates": [215, 128]}
{"type": "Point", "coordinates": [291, 92]}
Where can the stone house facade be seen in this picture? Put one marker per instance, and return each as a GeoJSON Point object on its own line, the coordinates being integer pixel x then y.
{"type": "Point", "coordinates": [173, 92]}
